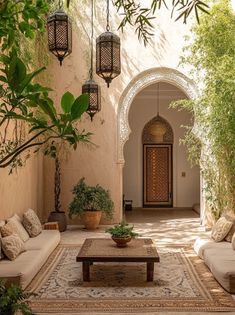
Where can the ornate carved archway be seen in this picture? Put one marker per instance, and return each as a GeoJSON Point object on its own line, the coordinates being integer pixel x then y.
{"type": "Point", "coordinates": [141, 81]}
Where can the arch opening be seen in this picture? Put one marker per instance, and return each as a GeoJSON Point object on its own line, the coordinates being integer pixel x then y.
{"type": "Point", "coordinates": [139, 92]}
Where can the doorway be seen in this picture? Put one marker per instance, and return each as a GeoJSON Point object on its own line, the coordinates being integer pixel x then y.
{"type": "Point", "coordinates": [136, 107]}
{"type": "Point", "coordinates": [157, 175]}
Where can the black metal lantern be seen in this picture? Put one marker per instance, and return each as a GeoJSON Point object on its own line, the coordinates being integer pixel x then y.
{"type": "Point", "coordinates": [108, 60]}
{"type": "Point", "coordinates": [59, 31]}
{"type": "Point", "coordinates": [90, 86]}
{"type": "Point", "coordinates": [92, 89]}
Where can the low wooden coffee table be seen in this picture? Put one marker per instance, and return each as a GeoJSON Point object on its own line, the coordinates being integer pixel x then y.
{"type": "Point", "coordinates": [105, 250]}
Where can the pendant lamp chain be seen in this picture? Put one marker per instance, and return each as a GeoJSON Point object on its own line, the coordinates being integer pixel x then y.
{"type": "Point", "coordinates": [107, 26]}
{"type": "Point", "coordinates": [90, 87]}
{"type": "Point", "coordinates": [92, 37]}
{"type": "Point", "coordinates": [158, 99]}
{"type": "Point", "coordinates": [60, 4]}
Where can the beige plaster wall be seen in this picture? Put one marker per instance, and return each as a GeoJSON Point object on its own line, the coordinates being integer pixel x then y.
{"type": "Point", "coordinates": [22, 189]}
{"type": "Point", "coordinates": [186, 190]}
{"type": "Point", "coordinates": [99, 165]}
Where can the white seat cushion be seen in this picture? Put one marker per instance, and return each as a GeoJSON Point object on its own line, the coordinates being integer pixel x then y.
{"type": "Point", "coordinates": [221, 262]}
{"type": "Point", "coordinates": [201, 244]}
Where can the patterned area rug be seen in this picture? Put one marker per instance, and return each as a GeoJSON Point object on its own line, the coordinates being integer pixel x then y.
{"type": "Point", "coordinates": [181, 283]}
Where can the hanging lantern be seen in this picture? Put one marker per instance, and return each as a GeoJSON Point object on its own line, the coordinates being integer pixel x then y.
{"type": "Point", "coordinates": [92, 89]}
{"type": "Point", "coordinates": [108, 60]}
{"type": "Point", "coordinates": [108, 64]}
{"type": "Point", "coordinates": [59, 31]}
{"type": "Point", "coordinates": [90, 86]}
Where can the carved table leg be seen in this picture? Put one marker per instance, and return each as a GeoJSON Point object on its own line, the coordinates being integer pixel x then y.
{"type": "Point", "coordinates": [86, 270]}
{"type": "Point", "coordinates": [150, 271]}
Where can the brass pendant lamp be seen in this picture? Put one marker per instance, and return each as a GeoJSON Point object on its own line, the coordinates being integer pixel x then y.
{"type": "Point", "coordinates": [108, 59]}
{"type": "Point", "coordinates": [59, 31]}
{"type": "Point", "coordinates": [158, 129]}
{"type": "Point", "coordinates": [90, 86]}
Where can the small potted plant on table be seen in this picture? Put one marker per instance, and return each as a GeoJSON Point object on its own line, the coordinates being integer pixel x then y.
{"type": "Point", "coordinates": [122, 234]}
{"type": "Point", "coordinates": [89, 203]}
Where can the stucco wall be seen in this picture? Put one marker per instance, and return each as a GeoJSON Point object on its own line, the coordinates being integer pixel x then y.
{"type": "Point", "coordinates": [22, 189]}
{"type": "Point", "coordinates": [99, 165]}
{"type": "Point", "coordinates": [186, 190]}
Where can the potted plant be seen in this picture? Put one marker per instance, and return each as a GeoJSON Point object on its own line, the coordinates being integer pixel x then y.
{"type": "Point", "coordinates": [13, 300]}
{"type": "Point", "coordinates": [73, 109]}
{"type": "Point", "coordinates": [122, 233]}
{"type": "Point", "coordinates": [90, 202]}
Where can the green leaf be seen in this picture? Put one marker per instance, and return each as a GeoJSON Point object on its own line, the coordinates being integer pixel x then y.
{"type": "Point", "coordinates": [16, 73]}
{"type": "Point", "coordinates": [67, 101]}
{"type": "Point", "coordinates": [79, 106]}
{"type": "Point", "coordinates": [47, 109]}
{"type": "Point", "coordinates": [28, 79]}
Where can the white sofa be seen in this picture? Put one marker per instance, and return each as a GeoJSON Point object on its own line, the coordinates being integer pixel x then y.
{"type": "Point", "coordinates": [220, 259]}
{"type": "Point", "coordinates": [24, 268]}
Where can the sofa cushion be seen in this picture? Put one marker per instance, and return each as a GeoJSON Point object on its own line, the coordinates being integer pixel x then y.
{"type": "Point", "coordinates": [228, 237]}
{"type": "Point", "coordinates": [46, 240]}
{"type": "Point", "coordinates": [221, 262]}
{"type": "Point", "coordinates": [233, 242]}
{"type": "Point", "coordinates": [7, 229]}
{"type": "Point", "coordinates": [32, 223]}
{"type": "Point", "coordinates": [221, 229]}
{"type": "Point", "coordinates": [27, 265]}
{"type": "Point", "coordinates": [12, 246]}
{"type": "Point", "coordinates": [202, 244]}
{"type": "Point", "coordinates": [20, 230]}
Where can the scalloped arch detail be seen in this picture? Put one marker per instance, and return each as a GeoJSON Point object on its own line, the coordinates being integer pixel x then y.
{"type": "Point", "coordinates": [141, 81]}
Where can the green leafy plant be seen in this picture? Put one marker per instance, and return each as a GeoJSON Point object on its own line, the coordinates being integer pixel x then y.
{"type": "Point", "coordinates": [122, 229]}
{"type": "Point", "coordinates": [141, 16]}
{"type": "Point", "coordinates": [29, 120]}
{"type": "Point", "coordinates": [14, 300]}
{"type": "Point", "coordinates": [23, 100]}
{"type": "Point", "coordinates": [92, 198]}
{"type": "Point", "coordinates": [213, 64]}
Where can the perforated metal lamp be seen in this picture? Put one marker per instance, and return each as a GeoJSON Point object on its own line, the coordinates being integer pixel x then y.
{"type": "Point", "coordinates": [59, 30]}
{"type": "Point", "coordinates": [92, 89]}
{"type": "Point", "coordinates": [108, 63]}
{"type": "Point", "coordinates": [108, 58]}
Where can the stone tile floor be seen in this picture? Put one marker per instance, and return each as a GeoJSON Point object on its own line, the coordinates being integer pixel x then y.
{"type": "Point", "coordinates": [164, 226]}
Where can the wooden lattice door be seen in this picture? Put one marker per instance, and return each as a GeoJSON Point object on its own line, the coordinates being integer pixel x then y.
{"type": "Point", "coordinates": [157, 175]}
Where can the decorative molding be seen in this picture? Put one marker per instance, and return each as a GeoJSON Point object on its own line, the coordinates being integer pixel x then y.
{"type": "Point", "coordinates": [136, 85]}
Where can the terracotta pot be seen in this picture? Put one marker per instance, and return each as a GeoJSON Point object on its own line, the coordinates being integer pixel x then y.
{"type": "Point", "coordinates": [59, 217]}
{"type": "Point", "coordinates": [121, 241]}
{"type": "Point", "coordinates": [91, 219]}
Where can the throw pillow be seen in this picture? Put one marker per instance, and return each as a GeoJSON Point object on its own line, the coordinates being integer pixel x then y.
{"type": "Point", "coordinates": [7, 229]}
{"type": "Point", "coordinates": [229, 236]}
{"type": "Point", "coordinates": [20, 230]}
{"type": "Point", "coordinates": [32, 223]}
{"type": "Point", "coordinates": [12, 246]}
{"type": "Point", "coordinates": [221, 229]}
{"type": "Point", "coordinates": [1, 252]}
{"type": "Point", "coordinates": [233, 242]}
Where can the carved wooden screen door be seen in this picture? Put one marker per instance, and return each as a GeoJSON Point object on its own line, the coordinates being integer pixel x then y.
{"type": "Point", "coordinates": [157, 163]}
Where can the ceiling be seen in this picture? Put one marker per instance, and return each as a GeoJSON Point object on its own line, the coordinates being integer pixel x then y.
{"type": "Point", "coordinates": [166, 91]}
